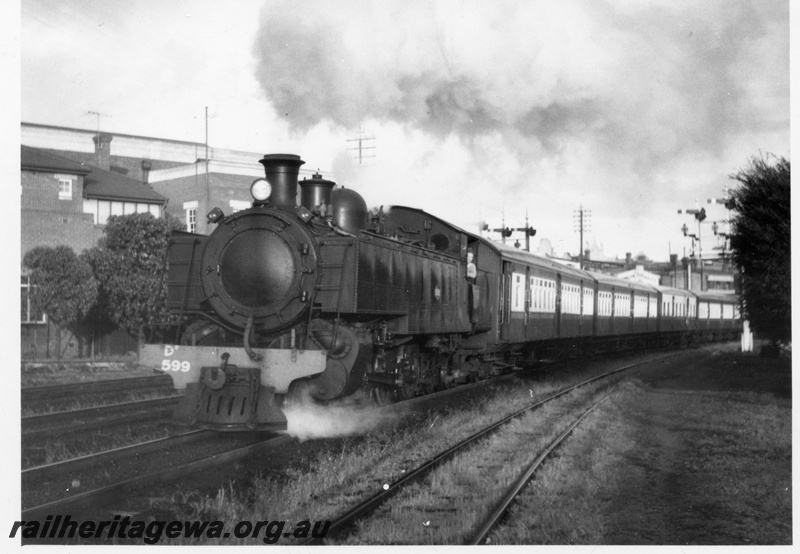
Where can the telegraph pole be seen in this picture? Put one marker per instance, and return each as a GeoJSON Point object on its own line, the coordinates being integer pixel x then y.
{"type": "Point", "coordinates": [582, 220]}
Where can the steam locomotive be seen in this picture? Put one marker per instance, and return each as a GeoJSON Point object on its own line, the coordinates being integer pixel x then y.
{"type": "Point", "coordinates": [325, 299]}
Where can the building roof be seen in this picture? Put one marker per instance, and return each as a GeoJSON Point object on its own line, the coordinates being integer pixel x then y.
{"type": "Point", "coordinates": [97, 183]}
{"type": "Point", "coordinates": [100, 183]}
{"type": "Point", "coordinates": [34, 159]}
{"type": "Point", "coordinates": [94, 132]}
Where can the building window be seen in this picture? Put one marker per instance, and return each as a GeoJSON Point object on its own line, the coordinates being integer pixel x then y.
{"type": "Point", "coordinates": [64, 187]}
{"type": "Point", "coordinates": [239, 205]}
{"type": "Point", "coordinates": [102, 209]}
{"type": "Point", "coordinates": [191, 215]}
{"type": "Point", "coordinates": [27, 312]}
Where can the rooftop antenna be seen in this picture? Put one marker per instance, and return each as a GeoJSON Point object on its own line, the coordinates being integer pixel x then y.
{"type": "Point", "coordinates": [97, 114]}
{"type": "Point", "coordinates": [363, 146]}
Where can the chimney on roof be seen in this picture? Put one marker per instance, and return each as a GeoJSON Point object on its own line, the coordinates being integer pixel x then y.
{"type": "Point", "coordinates": [102, 150]}
{"type": "Point", "coordinates": [146, 165]}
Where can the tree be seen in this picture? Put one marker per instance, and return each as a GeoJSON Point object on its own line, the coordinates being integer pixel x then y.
{"type": "Point", "coordinates": [761, 245]}
{"type": "Point", "coordinates": [129, 263]}
{"type": "Point", "coordinates": [63, 287]}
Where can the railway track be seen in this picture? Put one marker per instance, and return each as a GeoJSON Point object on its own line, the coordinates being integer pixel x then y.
{"type": "Point", "coordinates": [86, 419]}
{"type": "Point", "coordinates": [481, 532]}
{"type": "Point", "coordinates": [72, 466]}
{"type": "Point", "coordinates": [343, 524]}
{"type": "Point", "coordinates": [72, 391]}
{"type": "Point", "coordinates": [59, 475]}
{"type": "Point", "coordinates": [104, 494]}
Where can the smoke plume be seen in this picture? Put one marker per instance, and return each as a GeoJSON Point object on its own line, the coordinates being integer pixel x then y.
{"type": "Point", "coordinates": [631, 94]}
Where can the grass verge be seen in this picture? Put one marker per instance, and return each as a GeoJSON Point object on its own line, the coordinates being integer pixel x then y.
{"type": "Point", "coordinates": [668, 466]}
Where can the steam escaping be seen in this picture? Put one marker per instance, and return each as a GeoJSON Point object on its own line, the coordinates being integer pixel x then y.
{"type": "Point", "coordinates": [307, 419]}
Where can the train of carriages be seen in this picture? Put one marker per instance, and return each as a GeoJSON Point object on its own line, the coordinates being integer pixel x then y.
{"type": "Point", "coordinates": [322, 298]}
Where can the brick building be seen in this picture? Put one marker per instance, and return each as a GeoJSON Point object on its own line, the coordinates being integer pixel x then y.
{"type": "Point", "coordinates": [65, 202]}
{"type": "Point", "coordinates": [115, 173]}
{"type": "Point", "coordinates": [52, 202]}
{"type": "Point", "coordinates": [192, 176]}
{"type": "Point", "coordinates": [195, 189]}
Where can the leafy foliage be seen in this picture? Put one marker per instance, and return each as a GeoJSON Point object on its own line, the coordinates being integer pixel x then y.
{"type": "Point", "coordinates": [761, 245]}
{"type": "Point", "coordinates": [129, 264]}
{"type": "Point", "coordinates": [62, 286]}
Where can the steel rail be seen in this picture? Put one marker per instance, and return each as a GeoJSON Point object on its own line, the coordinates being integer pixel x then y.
{"type": "Point", "coordinates": [495, 516]}
{"type": "Point", "coordinates": [98, 416]}
{"type": "Point", "coordinates": [341, 524]}
{"type": "Point", "coordinates": [71, 465]}
{"type": "Point", "coordinates": [103, 495]}
{"type": "Point", "coordinates": [40, 420]}
{"type": "Point", "coordinates": [162, 415]}
{"type": "Point", "coordinates": [70, 390]}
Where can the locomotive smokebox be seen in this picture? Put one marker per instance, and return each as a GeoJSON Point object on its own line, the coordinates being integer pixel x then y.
{"type": "Point", "coordinates": [315, 191]}
{"type": "Point", "coordinates": [282, 170]}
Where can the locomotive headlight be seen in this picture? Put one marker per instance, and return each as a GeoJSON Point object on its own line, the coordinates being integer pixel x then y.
{"type": "Point", "coordinates": [260, 189]}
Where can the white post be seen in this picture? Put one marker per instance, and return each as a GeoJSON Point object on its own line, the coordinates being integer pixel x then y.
{"type": "Point", "coordinates": [747, 338]}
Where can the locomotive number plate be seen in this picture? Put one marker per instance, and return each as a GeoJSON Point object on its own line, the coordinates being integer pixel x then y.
{"type": "Point", "coordinates": [176, 365]}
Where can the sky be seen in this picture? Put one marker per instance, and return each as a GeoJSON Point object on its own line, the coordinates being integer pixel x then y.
{"type": "Point", "coordinates": [480, 111]}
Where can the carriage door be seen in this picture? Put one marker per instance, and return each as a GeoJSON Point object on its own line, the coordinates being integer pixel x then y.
{"type": "Point", "coordinates": [613, 313]}
{"type": "Point", "coordinates": [526, 287]}
{"type": "Point", "coordinates": [580, 309]}
{"type": "Point", "coordinates": [558, 305]}
{"type": "Point", "coordinates": [505, 301]}
{"type": "Point", "coordinates": [631, 326]}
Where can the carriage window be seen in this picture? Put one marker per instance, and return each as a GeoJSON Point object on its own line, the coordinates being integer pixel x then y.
{"type": "Point", "coordinates": [518, 292]}
{"type": "Point", "coordinates": [543, 294]}
{"type": "Point", "coordinates": [588, 301]}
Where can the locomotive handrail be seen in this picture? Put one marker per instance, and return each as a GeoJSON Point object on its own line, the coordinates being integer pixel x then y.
{"type": "Point", "coordinates": [339, 296]}
{"type": "Point", "coordinates": [186, 289]}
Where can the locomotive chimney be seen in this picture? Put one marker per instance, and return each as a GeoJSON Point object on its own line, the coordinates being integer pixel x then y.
{"type": "Point", "coordinates": [282, 170]}
{"type": "Point", "coordinates": [316, 191]}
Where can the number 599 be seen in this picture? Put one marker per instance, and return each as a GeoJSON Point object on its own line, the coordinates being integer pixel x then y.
{"type": "Point", "coordinates": [175, 365]}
